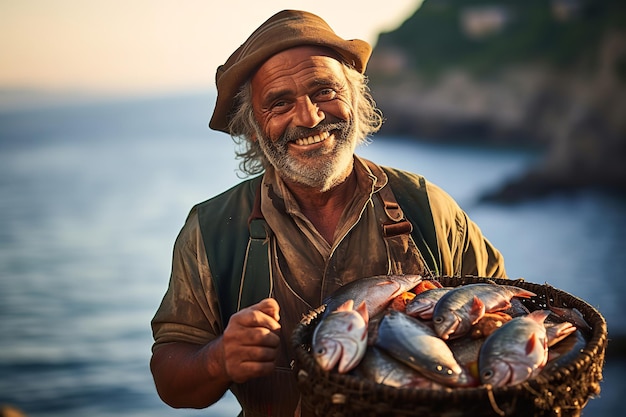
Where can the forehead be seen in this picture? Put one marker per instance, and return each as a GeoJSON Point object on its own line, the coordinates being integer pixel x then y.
{"type": "Point", "coordinates": [298, 64]}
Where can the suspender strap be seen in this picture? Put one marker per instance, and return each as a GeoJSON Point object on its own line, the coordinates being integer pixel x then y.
{"type": "Point", "coordinates": [397, 224]}
{"type": "Point", "coordinates": [256, 280]}
{"type": "Point", "coordinates": [224, 225]}
{"type": "Point", "coordinates": [418, 213]}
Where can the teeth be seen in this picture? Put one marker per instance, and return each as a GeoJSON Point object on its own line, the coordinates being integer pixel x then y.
{"type": "Point", "coordinates": [312, 139]}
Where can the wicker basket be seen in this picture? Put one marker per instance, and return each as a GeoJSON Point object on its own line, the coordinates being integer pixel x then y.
{"type": "Point", "coordinates": [560, 392]}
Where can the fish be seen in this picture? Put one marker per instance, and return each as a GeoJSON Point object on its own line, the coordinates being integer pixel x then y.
{"type": "Point", "coordinates": [381, 368]}
{"type": "Point", "coordinates": [340, 338]}
{"type": "Point", "coordinates": [377, 292]}
{"type": "Point", "coordinates": [416, 345]}
{"type": "Point", "coordinates": [423, 304]}
{"type": "Point", "coordinates": [516, 352]}
{"type": "Point", "coordinates": [463, 306]}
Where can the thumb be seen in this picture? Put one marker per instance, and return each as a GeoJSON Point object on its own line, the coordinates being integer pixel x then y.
{"type": "Point", "coordinates": [270, 307]}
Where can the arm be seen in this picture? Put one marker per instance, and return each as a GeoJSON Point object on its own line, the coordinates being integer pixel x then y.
{"type": "Point", "coordinates": [464, 250]}
{"type": "Point", "coordinates": [196, 376]}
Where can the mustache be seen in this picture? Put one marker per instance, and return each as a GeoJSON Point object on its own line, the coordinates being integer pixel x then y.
{"type": "Point", "coordinates": [291, 134]}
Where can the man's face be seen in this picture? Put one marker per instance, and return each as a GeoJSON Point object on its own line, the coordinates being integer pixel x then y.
{"type": "Point", "coordinates": [301, 102]}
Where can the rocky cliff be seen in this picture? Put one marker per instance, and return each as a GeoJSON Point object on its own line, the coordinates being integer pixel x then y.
{"type": "Point", "coordinates": [513, 74]}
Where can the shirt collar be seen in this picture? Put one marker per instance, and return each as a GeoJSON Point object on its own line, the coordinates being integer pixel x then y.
{"type": "Point", "coordinates": [370, 179]}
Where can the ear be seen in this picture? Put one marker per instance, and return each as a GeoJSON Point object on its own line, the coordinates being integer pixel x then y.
{"type": "Point", "coordinates": [254, 137]}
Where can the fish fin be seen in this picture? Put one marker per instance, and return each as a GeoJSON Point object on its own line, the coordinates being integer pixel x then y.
{"type": "Point", "coordinates": [539, 315]}
{"type": "Point", "coordinates": [521, 292]}
{"type": "Point", "coordinates": [395, 285]}
{"type": "Point", "coordinates": [477, 310]}
{"type": "Point", "coordinates": [347, 306]}
{"type": "Point", "coordinates": [532, 343]}
{"type": "Point", "coordinates": [362, 310]}
{"type": "Point", "coordinates": [558, 332]}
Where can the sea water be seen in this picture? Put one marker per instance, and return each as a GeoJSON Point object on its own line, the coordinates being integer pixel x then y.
{"type": "Point", "coordinates": [91, 200]}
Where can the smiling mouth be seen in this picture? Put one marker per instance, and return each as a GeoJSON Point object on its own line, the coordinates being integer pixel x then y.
{"type": "Point", "coordinates": [312, 139]}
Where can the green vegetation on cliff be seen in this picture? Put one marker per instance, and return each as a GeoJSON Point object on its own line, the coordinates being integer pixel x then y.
{"type": "Point", "coordinates": [483, 36]}
{"type": "Point", "coordinates": [547, 72]}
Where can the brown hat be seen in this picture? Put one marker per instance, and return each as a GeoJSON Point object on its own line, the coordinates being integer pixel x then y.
{"type": "Point", "coordinates": [284, 30]}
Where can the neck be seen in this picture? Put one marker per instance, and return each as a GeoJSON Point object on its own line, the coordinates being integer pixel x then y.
{"type": "Point", "coordinates": [324, 209]}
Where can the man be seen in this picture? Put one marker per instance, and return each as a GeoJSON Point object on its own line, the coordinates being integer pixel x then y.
{"type": "Point", "coordinates": [294, 93]}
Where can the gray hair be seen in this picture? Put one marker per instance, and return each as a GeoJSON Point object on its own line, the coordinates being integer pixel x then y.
{"type": "Point", "coordinates": [243, 126]}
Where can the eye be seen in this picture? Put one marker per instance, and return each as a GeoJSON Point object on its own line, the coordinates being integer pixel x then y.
{"type": "Point", "coordinates": [280, 106]}
{"type": "Point", "coordinates": [325, 94]}
{"type": "Point", "coordinates": [487, 374]}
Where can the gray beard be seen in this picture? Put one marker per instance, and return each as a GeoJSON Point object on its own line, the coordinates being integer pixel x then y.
{"type": "Point", "coordinates": [326, 170]}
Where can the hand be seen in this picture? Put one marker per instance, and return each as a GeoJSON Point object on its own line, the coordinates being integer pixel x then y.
{"type": "Point", "coordinates": [250, 341]}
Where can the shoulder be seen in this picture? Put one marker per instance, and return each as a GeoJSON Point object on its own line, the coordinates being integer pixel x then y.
{"type": "Point", "coordinates": [410, 186]}
{"type": "Point", "coordinates": [245, 190]}
{"type": "Point", "coordinates": [222, 209]}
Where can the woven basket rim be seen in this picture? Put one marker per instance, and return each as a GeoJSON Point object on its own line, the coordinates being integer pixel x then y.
{"type": "Point", "coordinates": [593, 352]}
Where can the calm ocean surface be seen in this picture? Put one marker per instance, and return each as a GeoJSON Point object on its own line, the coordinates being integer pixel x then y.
{"type": "Point", "coordinates": [91, 200]}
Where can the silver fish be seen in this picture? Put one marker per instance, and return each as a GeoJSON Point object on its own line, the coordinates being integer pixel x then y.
{"type": "Point", "coordinates": [463, 306]}
{"type": "Point", "coordinates": [416, 345]}
{"type": "Point", "coordinates": [377, 292]}
{"type": "Point", "coordinates": [340, 338]}
{"type": "Point", "coordinates": [423, 304]}
{"type": "Point", "coordinates": [381, 368]}
{"type": "Point", "coordinates": [515, 352]}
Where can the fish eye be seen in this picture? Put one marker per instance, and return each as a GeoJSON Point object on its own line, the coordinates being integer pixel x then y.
{"type": "Point", "coordinates": [438, 319]}
{"type": "Point", "coordinates": [320, 351]}
{"type": "Point", "coordinates": [444, 370]}
{"type": "Point", "coordinates": [487, 374]}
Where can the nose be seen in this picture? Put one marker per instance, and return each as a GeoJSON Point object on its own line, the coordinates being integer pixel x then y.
{"type": "Point", "coordinates": [308, 114]}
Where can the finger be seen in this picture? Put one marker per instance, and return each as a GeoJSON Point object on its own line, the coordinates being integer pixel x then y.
{"type": "Point", "coordinates": [263, 337]}
{"type": "Point", "coordinates": [270, 307]}
{"type": "Point", "coordinates": [250, 336]}
{"type": "Point", "coordinates": [249, 362]}
{"type": "Point", "coordinates": [254, 316]}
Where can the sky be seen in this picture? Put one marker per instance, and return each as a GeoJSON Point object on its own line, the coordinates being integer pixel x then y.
{"type": "Point", "coordinates": [152, 46]}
